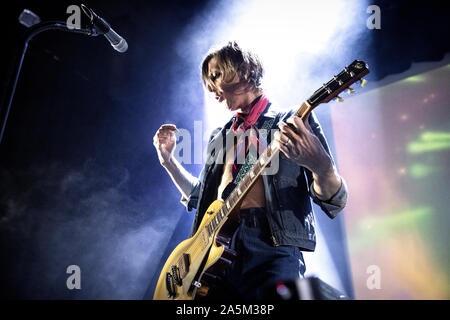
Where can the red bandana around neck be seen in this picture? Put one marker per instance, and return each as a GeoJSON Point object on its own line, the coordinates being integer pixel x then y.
{"type": "Point", "coordinates": [248, 120]}
{"type": "Point", "coordinates": [242, 123]}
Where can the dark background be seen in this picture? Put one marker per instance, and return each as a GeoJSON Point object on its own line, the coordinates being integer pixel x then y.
{"type": "Point", "coordinates": [78, 172]}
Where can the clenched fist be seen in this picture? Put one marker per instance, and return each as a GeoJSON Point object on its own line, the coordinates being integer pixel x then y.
{"type": "Point", "coordinates": [165, 142]}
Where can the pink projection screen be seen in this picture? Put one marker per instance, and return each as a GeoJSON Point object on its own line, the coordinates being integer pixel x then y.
{"type": "Point", "coordinates": [392, 143]}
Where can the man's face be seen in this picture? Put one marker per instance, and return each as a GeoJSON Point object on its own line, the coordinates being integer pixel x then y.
{"type": "Point", "coordinates": [233, 94]}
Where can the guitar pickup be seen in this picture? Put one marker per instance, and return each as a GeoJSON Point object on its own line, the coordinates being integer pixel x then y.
{"type": "Point", "coordinates": [183, 264]}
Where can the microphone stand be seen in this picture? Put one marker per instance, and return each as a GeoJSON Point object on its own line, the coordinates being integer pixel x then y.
{"type": "Point", "coordinates": [31, 32]}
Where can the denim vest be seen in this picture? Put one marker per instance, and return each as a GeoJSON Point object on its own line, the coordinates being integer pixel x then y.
{"type": "Point", "coordinates": [288, 197]}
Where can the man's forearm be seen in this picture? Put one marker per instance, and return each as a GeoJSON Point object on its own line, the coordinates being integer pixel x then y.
{"type": "Point", "coordinates": [326, 183]}
{"type": "Point", "coordinates": [184, 181]}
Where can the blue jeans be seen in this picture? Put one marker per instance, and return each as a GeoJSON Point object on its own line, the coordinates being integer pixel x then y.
{"type": "Point", "coordinates": [258, 264]}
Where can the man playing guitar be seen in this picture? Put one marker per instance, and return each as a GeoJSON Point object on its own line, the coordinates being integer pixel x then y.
{"type": "Point", "coordinates": [276, 220]}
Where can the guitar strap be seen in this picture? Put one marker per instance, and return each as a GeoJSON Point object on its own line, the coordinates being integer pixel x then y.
{"type": "Point", "coordinates": [251, 157]}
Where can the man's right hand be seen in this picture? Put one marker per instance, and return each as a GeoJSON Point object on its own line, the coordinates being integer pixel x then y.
{"type": "Point", "coordinates": [165, 142]}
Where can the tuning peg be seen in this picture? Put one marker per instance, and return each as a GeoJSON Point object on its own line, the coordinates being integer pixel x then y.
{"type": "Point", "coordinates": [363, 82]}
{"type": "Point", "coordinates": [339, 99]}
{"type": "Point", "coordinates": [351, 91]}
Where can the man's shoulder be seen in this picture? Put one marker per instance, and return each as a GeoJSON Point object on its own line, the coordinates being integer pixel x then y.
{"type": "Point", "coordinates": [277, 113]}
{"type": "Point", "coordinates": [285, 113]}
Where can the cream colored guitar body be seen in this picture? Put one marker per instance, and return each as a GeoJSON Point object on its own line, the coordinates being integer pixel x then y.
{"type": "Point", "coordinates": [193, 260]}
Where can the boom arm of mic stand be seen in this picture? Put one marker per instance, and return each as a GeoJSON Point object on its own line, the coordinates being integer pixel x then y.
{"type": "Point", "coordinates": [31, 32]}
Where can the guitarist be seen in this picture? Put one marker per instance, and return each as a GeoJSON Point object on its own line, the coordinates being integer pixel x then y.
{"type": "Point", "coordinates": [276, 218]}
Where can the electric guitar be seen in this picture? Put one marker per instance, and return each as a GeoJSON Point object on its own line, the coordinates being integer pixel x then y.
{"type": "Point", "coordinates": [195, 262]}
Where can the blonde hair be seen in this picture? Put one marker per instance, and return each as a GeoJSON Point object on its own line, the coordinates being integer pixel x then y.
{"type": "Point", "coordinates": [233, 60]}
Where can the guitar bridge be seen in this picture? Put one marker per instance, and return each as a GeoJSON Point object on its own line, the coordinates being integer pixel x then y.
{"type": "Point", "coordinates": [176, 275]}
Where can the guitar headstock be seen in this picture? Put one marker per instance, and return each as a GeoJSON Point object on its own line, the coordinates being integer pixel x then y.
{"type": "Point", "coordinates": [330, 90]}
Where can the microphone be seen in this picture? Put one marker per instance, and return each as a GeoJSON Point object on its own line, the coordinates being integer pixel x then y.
{"type": "Point", "coordinates": [117, 42]}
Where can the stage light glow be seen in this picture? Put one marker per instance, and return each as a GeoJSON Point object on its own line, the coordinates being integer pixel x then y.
{"type": "Point", "coordinates": [435, 136]}
{"type": "Point", "coordinates": [414, 79]}
{"type": "Point", "coordinates": [386, 225]}
{"type": "Point", "coordinates": [395, 220]}
{"type": "Point", "coordinates": [420, 170]}
{"type": "Point", "coordinates": [290, 37]}
{"type": "Point", "coordinates": [430, 141]}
